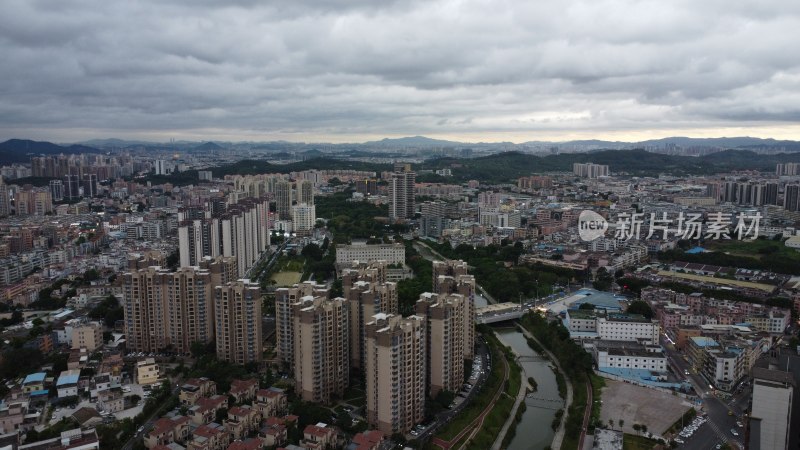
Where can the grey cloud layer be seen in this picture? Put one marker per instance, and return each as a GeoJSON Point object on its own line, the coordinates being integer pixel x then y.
{"type": "Point", "coordinates": [366, 67]}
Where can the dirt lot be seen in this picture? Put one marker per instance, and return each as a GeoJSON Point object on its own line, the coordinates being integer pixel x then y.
{"type": "Point", "coordinates": [634, 404]}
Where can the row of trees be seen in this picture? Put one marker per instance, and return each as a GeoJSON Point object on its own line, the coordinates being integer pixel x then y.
{"type": "Point", "coordinates": [496, 270]}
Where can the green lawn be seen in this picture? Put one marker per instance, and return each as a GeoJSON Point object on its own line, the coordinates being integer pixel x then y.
{"type": "Point", "coordinates": [759, 248]}
{"type": "Point", "coordinates": [473, 410]}
{"type": "Point", "coordinates": [497, 417]}
{"type": "Point", "coordinates": [286, 278]}
{"type": "Point", "coordinates": [634, 442]}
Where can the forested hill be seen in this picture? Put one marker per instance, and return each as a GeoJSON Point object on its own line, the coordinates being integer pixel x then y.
{"type": "Point", "coordinates": [506, 167]}
{"type": "Point", "coordinates": [21, 150]}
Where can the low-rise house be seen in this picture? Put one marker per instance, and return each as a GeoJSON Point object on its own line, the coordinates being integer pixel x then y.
{"type": "Point", "coordinates": [111, 400]}
{"type": "Point", "coordinates": [368, 440]}
{"type": "Point", "coordinates": [166, 431]}
{"type": "Point", "coordinates": [244, 390]}
{"type": "Point", "coordinates": [12, 416]}
{"type": "Point", "coordinates": [249, 444]}
{"type": "Point", "coordinates": [100, 382]}
{"type": "Point", "coordinates": [195, 388]}
{"type": "Point", "coordinates": [87, 417]}
{"type": "Point", "coordinates": [33, 382]}
{"type": "Point", "coordinates": [67, 384]}
{"type": "Point", "coordinates": [147, 371]}
{"type": "Point", "coordinates": [319, 437]}
{"type": "Point", "coordinates": [77, 439]}
{"type": "Point", "coordinates": [211, 436]}
{"type": "Point", "coordinates": [271, 402]}
{"type": "Point", "coordinates": [242, 420]}
{"type": "Point", "coordinates": [113, 365]}
{"type": "Point", "coordinates": [205, 410]}
{"type": "Point", "coordinates": [274, 432]}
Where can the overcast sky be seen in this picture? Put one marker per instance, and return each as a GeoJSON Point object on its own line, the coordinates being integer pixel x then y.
{"type": "Point", "coordinates": [341, 70]}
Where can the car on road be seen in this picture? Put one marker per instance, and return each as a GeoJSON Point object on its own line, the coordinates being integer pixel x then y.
{"type": "Point", "coordinates": [734, 432]}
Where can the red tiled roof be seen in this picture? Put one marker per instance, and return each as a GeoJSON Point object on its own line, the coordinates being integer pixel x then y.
{"type": "Point", "coordinates": [242, 385]}
{"type": "Point", "coordinates": [250, 444]}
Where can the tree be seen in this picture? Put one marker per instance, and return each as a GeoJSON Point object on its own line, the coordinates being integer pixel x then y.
{"type": "Point", "coordinates": [636, 428]}
{"type": "Point", "coordinates": [621, 423]}
{"type": "Point", "coordinates": [641, 307]}
{"type": "Point", "coordinates": [312, 252]}
{"type": "Point", "coordinates": [643, 427]}
{"type": "Point", "coordinates": [602, 280]}
{"type": "Point", "coordinates": [91, 275]}
{"type": "Point", "coordinates": [222, 414]}
{"type": "Point", "coordinates": [19, 361]}
{"type": "Point", "coordinates": [611, 423]}
{"type": "Point", "coordinates": [344, 420]}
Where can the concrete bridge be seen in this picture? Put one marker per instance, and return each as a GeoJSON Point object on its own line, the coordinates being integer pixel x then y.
{"type": "Point", "coordinates": [498, 312]}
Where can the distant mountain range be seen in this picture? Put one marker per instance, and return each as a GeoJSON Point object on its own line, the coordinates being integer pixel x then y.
{"type": "Point", "coordinates": [426, 142]}
{"type": "Point", "coordinates": [20, 150]}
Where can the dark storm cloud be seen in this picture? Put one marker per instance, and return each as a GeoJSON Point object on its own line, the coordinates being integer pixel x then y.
{"type": "Point", "coordinates": [361, 68]}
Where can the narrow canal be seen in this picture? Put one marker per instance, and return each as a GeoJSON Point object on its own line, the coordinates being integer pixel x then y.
{"type": "Point", "coordinates": [534, 431]}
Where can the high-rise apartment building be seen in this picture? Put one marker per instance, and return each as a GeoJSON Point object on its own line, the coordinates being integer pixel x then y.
{"type": "Point", "coordinates": [305, 192]}
{"type": "Point", "coordinates": [5, 199]}
{"type": "Point", "coordinates": [321, 348]}
{"type": "Point", "coordinates": [366, 297]}
{"type": "Point", "coordinates": [788, 169]}
{"type": "Point", "coordinates": [57, 190]}
{"type": "Point", "coordinates": [71, 187]}
{"type": "Point", "coordinates": [445, 316]}
{"type": "Point", "coordinates": [367, 186]}
{"type": "Point", "coordinates": [36, 202]}
{"type": "Point", "coordinates": [401, 195]}
{"type": "Point", "coordinates": [237, 314]}
{"type": "Point", "coordinates": [304, 217]}
{"type": "Point", "coordinates": [89, 185]}
{"type": "Point", "coordinates": [770, 417]}
{"type": "Point", "coordinates": [771, 194]}
{"type": "Point", "coordinates": [395, 372]}
{"type": "Point", "coordinates": [590, 170]}
{"type": "Point", "coordinates": [451, 277]}
{"type": "Point", "coordinates": [172, 310]}
{"type": "Point", "coordinates": [284, 318]}
{"type": "Point", "coordinates": [242, 231]}
{"type": "Point", "coordinates": [283, 199]}
{"type": "Point", "coordinates": [791, 197]}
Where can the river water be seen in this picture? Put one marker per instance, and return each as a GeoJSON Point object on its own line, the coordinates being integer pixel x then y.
{"type": "Point", "coordinates": [534, 431]}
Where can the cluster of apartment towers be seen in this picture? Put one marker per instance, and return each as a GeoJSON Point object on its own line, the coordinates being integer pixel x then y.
{"type": "Point", "coordinates": [207, 303]}
{"type": "Point", "coordinates": [403, 360]}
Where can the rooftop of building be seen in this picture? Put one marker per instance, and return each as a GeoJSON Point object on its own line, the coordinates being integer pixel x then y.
{"type": "Point", "coordinates": [625, 317]}
{"type": "Point", "coordinates": [703, 341]}
{"type": "Point", "coordinates": [35, 378]}
{"type": "Point", "coordinates": [760, 373]}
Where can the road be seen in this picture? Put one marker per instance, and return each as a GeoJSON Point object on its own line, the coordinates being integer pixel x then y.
{"type": "Point", "coordinates": [432, 255]}
{"type": "Point", "coordinates": [719, 424]}
{"type": "Point", "coordinates": [445, 416]}
{"type": "Point", "coordinates": [148, 425]}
